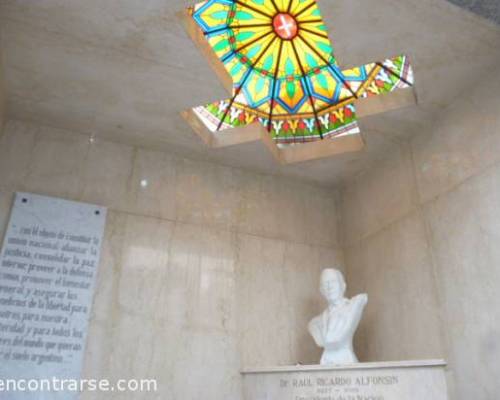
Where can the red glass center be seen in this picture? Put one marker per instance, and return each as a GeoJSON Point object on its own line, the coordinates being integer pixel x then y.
{"type": "Point", "coordinates": [285, 26]}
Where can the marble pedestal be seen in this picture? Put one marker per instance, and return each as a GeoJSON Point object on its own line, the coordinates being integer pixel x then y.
{"type": "Point", "coordinates": [407, 380]}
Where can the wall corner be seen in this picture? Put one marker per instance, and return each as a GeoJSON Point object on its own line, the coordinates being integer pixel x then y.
{"type": "Point", "coordinates": [3, 95]}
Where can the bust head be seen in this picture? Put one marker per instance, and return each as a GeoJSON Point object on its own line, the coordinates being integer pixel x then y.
{"type": "Point", "coordinates": [332, 285]}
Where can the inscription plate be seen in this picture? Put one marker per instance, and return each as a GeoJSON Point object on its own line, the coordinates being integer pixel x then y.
{"type": "Point", "coordinates": [373, 381]}
{"type": "Point", "coordinates": [48, 267]}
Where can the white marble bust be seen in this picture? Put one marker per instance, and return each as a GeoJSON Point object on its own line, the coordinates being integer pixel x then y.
{"type": "Point", "coordinates": [335, 327]}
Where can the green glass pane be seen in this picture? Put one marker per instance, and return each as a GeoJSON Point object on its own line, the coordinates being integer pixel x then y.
{"type": "Point", "coordinates": [324, 47]}
{"type": "Point", "coordinates": [322, 81]}
{"type": "Point", "coordinates": [268, 62]}
{"type": "Point", "coordinates": [242, 36]}
{"type": "Point", "coordinates": [260, 84]}
{"type": "Point", "coordinates": [311, 61]}
{"type": "Point", "coordinates": [244, 16]}
{"type": "Point", "coordinates": [219, 15]}
{"type": "Point", "coordinates": [221, 45]}
{"type": "Point", "coordinates": [289, 67]}
{"type": "Point", "coordinates": [254, 51]}
{"type": "Point", "coordinates": [290, 89]}
{"type": "Point", "coordinates": [236, 68]}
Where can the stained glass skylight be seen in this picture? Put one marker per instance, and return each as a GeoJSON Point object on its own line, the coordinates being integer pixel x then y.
{"type": "Point", "coordinates": [284, 73]}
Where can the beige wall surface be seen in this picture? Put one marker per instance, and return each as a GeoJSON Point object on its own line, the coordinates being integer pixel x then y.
{"type": "Point", "coordinates": [421, 234]}
{"type": "Point", "coordinates": [206, 270]}
{"type": "Point", "coordinates": [3, 101]}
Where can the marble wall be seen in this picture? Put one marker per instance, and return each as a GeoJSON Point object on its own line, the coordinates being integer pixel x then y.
{"type": "Point", "coordinates": [3, 104]}
{"type": "Point", "coordinates": [421, 235]}
{"type": "Point", "coordinates": [212, 268]}
{"type": "Point", "coordinates": [205, 270]}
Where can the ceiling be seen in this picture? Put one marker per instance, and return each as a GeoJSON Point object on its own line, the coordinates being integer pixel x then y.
{"type": "Point", "coordinates": [486, 8]}
{"type": "Point", "coordinates": [125, 69]}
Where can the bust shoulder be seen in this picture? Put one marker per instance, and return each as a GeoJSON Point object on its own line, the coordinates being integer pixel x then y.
{"type": "Point", "coordinates": [316, 322]}
{"type": "Point", "coordinates": [358, 303]}
{"type": "Point", "coordinates": [360, 299]}
{"type": "Point", "coordinates": [315, 329]}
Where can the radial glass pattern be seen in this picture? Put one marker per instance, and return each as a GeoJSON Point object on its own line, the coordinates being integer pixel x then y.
{"type": "Point", "coordinates": [284, 73]}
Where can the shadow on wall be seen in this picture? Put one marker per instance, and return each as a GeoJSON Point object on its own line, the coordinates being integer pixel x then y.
{"type": "Point", "coordinates": [3, 102]}
{"type": "Point", "coordinates": [489, 9]}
